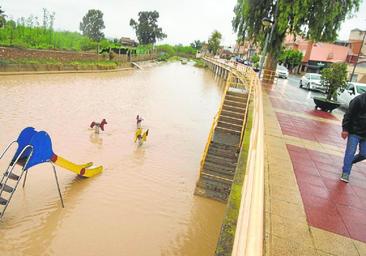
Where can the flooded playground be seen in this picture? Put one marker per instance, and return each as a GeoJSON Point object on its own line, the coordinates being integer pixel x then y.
{"type": "Point", "coordinates": [143, 202]}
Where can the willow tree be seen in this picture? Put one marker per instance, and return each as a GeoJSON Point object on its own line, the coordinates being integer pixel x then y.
{"type": "Point", "coordinates": [312, 19]}
{"type": "Point", "coordinates": [214, 42]}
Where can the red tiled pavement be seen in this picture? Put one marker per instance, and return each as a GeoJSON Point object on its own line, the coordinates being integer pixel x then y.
{"type": "Point", "coordinates": [329, 203]}
{"type": "Point", "coordinates": [322, 132]}
{"type": "Point", "coordinates": [293, 106]}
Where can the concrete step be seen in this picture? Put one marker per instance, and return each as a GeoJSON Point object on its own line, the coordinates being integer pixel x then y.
{"type": "Point", "coordinates": [221, 159]}
{"type": "Point", "coordinates": [223, 146]}
{"type": "Point", "coordinates": [235, 98]}
{"type": "Point", "coordinates": [231, 120]}
{"type": "Point", "coordinates": [223, 175]}
{"type": "Point", "coordinates": [233, 109]}
{"type": "Point", "coordinates": [220, 170]}
{"type": "Point", "coordinates": [227, 131]}
{"type": "Point", "coordinates": [235, 103]}
{"type": "Point", "coordinates": [232, 114]}
{"type": "Point", "coordinates": [220, 166]}
{"type": "Point", "coordinates": [237, 94]}
{"type": "Point", "coordinates": [227, 153]}
{"type": "Point", "coordinates": [208, 186]}
{"type": "Point", "coordinates": [230, 126]}
{"type": "Point", "coordinates": [217, 180]}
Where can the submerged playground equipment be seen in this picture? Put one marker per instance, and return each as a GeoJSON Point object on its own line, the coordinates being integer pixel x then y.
{"type": "Point", "coordinates": [35, 148]}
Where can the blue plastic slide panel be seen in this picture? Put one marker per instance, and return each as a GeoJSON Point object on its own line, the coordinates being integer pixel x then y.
{"type": "Point", "coordinates": [24, 140]}
{"type": "Point", "coordinates": [42, 149]}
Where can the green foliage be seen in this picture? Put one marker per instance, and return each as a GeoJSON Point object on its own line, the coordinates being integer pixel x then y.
{"type": "Point", "coordinates": [334, 79]}
{"type": "Point", "coordinates": [20, 35]}
{"type": "Point", "coordinates": [214, 42]}
{"type": "Point", "coordinates": [147, 30]}
{"type": "Point", "coordinates": [291, 58]}
{"type": "Point", "coordinates": [30, 33]}
{"type": "Point", "coordinates": [199, 63]}
{"type": "Point", "coordinates": [255, 59]}
{"type": "Point", "coordinates": [167, 51]}
{"type": "Point", "coordinates": [197, 44]}
{"type": "Point", "coordinates": [314, 19]}
{"type": "Point", "coordinates": [92, 25]}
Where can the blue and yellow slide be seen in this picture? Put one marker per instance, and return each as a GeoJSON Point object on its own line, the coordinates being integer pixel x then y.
{"type": "Point", "coordinates": [41, 152]}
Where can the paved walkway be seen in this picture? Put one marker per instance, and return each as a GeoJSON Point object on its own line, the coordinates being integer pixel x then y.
{"type": "Point", "coordinates": [308, 210]}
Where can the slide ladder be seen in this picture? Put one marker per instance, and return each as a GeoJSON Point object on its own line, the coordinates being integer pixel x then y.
{"type": "Point", "coordinates": [11, 177]}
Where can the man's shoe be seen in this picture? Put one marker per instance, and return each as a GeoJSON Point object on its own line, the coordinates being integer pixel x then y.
{"type": "Point", "coordinates": [345, 177]}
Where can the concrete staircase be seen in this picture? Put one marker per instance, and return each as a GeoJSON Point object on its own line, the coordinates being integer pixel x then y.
{"type": "Point", "coordinates": [219, 164]}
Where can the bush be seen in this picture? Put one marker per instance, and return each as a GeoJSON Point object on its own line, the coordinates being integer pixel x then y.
{"type": "Point", "coordinates": [334, 79]}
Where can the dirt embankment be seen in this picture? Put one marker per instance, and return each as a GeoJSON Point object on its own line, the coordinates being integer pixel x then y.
{"type": "Point", "coordinates": [18, 60]}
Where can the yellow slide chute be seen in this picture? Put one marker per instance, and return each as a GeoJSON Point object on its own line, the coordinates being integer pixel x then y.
{"type": "Point", "coordinates": [84, 170]}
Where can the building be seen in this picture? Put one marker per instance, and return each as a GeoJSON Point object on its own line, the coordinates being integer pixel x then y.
{"type": "Point", "coordinates": [355, 38]}
{"type": "Point", "coordinates": [317, 55]}
{"type": "Point", "coordinates": [245, 50]}
{"type": "Point", "coordinates": [126, 41]}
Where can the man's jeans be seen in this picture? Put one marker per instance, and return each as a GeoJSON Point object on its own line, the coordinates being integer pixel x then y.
{"type": "Point", "coordinates": [349, 156]}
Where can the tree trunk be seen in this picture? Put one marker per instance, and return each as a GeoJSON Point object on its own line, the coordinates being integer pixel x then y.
{"type": "Point", "coordinates": [269, 69]}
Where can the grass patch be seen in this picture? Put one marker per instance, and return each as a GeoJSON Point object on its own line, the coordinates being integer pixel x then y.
{"type": "Point", "coordinates": [199, 63]}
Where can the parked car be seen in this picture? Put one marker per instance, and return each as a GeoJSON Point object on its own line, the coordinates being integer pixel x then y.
{"type": "Point", "coordinates": [247, 63]}
{"type": "Point", "coordinates": [239, 60]}
{"type": "Point", "coordinates": [311, 81]}
{"type": "Point", "coordinates": [281, 72]}
{"type": "Point", "coordinates": [353, 90]}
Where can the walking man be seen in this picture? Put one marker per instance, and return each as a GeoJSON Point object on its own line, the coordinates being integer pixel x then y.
{"type": "Point", "coordinates": [354, 128]}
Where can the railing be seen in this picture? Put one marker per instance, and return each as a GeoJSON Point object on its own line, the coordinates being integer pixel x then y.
{"type": "Point", "coordinates": [249, 230]}
{"type": "Point", "coordinates": [208, 141]}
{"type": "Point", "coordinates": [216, 118]}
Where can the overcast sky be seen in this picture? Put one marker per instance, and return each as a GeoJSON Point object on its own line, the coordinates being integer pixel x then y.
{"type": "Point", "coordinates": [182, 20]}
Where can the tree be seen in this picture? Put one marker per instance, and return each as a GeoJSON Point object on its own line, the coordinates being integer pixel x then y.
{"type": "Point", "coordinates": [197, 44]}
{"type": "Point", "coordinates": [2, 18]}
{"type": "Point", "coordinates": [92, 25]}
{"type": "Point", "coordinates": [147, 29]}
{"type": "Point", "coordinates": [315, 20]}
{"type": "Point", "coordinates": [334, 79]}
{"type": "Point", "coordinates": [291, 58]}
{"type": "Point", "coordinates": [214, 42]}
{"type": "Point", "coordinates": [255, 60]}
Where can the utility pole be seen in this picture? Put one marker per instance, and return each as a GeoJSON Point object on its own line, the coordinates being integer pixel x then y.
{"type": "Point", "coordinates": [358, 56]}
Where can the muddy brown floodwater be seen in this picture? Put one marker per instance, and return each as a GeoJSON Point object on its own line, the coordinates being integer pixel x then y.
{"type": "Point", "coordinates": [143, 202]}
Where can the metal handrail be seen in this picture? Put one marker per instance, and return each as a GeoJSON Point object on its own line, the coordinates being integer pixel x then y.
{"type": "Point", "coordinates": [204, 154]}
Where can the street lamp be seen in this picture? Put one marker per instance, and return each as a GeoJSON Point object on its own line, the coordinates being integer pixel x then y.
{"type": "Point", "coordinates": [358, 56]}
{"type": "Point", "coordinates": [266, 22]}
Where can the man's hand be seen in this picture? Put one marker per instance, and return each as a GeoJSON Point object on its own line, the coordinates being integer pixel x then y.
{"type": "Point", "coordinates": [344, 135]}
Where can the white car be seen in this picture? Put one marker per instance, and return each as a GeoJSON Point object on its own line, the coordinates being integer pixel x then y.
{"type": "Point", "coordinates": [353, 90]}
{"type": "Point", "coordinates": [311, 81]}
{"type": "Point", "coordinates": [281, 72]}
